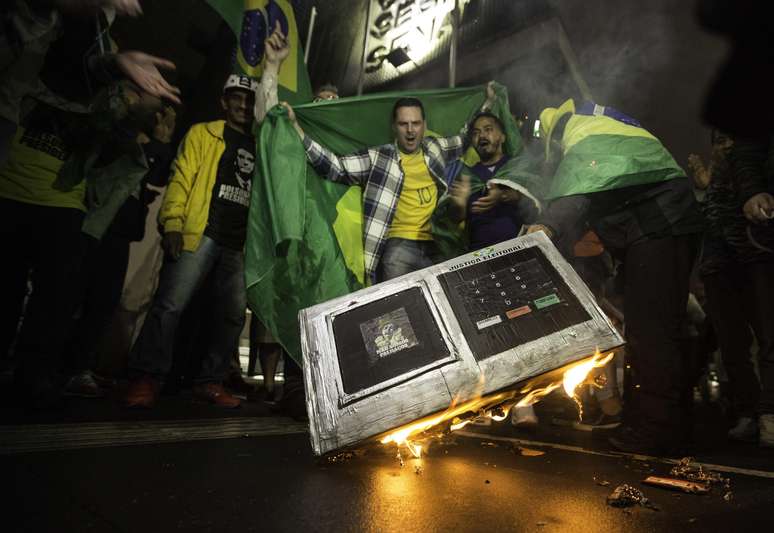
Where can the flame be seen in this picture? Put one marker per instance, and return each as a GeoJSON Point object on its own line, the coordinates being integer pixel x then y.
{"type": "Point", "coordinates": [404, 435]}
{"type": "Point", "coordinates": [571, 380]}
{"type": "Point", "coordinates": [534, 396]}
{"type": "Point", "coordinates": [577, 374]}
{"type": "Point", "coordinates": [495, 406]}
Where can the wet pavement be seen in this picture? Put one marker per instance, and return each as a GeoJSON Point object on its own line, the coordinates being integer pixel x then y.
{"type": "Point", "coordinates": [250, 471]}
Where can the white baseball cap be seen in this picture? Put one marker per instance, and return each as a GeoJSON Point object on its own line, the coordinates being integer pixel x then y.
{"type": "Point", "coordinates": [239, 81]}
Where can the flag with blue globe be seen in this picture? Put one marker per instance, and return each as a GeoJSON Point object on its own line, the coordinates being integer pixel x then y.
{"type": "Point", "coordinates": [252, 21]}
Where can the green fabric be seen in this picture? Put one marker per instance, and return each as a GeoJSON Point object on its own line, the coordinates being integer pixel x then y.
{"type": "Point", "coordinates": [605, 162]}
{"type": "Point", "coordinates": [304, 238]}
{"type": "Point", "coordinates": [292, 256]}
{"type": "Point", "coordinates": [294, 87]}
{"type": "Point", "coordinates": [349, 124]}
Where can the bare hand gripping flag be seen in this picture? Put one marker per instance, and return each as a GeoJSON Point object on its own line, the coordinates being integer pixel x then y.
{"type": "Point", "coordinates": [305, 235]}
{"type": "Point", "coordinates": [252, 21]}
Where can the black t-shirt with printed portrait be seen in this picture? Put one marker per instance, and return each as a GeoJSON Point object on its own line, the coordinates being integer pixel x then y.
{"type": "Point", "coordinates": [227, 221]}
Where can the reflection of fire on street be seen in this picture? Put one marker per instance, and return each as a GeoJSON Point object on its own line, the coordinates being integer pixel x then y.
{"type": "Point", "coordinates": [495, 406]}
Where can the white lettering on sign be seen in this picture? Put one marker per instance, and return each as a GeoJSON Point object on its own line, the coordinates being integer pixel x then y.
{"type": "Point", "coordinates": [413, 25]}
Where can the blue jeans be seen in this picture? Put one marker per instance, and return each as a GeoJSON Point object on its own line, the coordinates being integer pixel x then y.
{"type": "Point", "coordinates": [153, 352]}
{"type": "Point", "coordinates": [402, 256]}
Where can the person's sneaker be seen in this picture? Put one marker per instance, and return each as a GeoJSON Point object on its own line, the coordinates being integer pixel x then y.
{"type": "Point", "coordinates": [524, 418]}
{"type": "Point", "coordinates": [215, 394]}
{"type": "Point", "coordinates": [745, 430]}
{"type": "Point", "coordinates": [766, 431]}
{"type": "Point", "coordinates": [601, 421]}
{"type": "Point", "coordinates": [83, 385]}
{"type": "Point", "coordinates": [142, 393]}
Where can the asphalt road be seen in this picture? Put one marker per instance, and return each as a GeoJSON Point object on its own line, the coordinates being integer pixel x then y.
{"type": "Point", "coordinates": [273, 483]}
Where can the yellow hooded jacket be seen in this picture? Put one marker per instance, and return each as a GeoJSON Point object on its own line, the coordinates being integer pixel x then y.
{"type": "Point", "coordinates": [186, 204]}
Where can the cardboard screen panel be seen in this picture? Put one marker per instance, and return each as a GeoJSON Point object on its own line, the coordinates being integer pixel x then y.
{"type": "Point", "coordinates": [385, 339]}
{"type": "Point", "coordinates": [510, 300]}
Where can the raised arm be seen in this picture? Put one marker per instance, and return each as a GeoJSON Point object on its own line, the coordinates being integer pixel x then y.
{"type": "Point", "coordinates": [277, 50]}
{"type": "Point", "coordinates": [454, 146]}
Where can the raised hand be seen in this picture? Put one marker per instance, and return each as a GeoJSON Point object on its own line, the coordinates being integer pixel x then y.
{"type": "Point", "coordinates": [276, 46]}
{"type": "Point", "coordinates": [143, 69]}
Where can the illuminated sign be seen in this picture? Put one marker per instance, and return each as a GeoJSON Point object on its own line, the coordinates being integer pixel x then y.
{"type": "Point", "coordinates": [414, 26]}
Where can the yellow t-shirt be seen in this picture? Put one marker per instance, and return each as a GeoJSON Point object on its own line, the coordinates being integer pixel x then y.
{"type": "Point", "coordinates": [417, 200]}
{"type": "Point", "coordinates": [34, 160]}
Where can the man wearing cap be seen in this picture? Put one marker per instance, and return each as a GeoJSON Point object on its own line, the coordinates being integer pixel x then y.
{"type": "Point", "coordinates": [204, 219]}
{"type": "Point", "coordinates": [610, 175]}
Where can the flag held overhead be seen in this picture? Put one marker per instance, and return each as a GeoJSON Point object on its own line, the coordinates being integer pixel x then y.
{"type": "Point", "coordinates": [252, 22]}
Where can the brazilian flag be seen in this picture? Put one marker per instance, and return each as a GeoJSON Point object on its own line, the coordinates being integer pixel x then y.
{"type": "Point", "coordinates": [305, 234]}
{"type": "Point", "coordinates": [252, 21]}
{"type": "Point", "coordinates": [603, 149]}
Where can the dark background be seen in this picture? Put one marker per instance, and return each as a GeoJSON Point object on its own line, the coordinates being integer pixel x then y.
{"type": "Point", "coordinates": [648, 59]}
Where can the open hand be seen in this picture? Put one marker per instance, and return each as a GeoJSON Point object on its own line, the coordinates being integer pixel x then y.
{"type": "Point", "coordinates": [143, 69]}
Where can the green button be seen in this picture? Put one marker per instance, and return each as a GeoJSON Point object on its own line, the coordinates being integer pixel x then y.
{"type": "Point", "coordinates": [547, 301]}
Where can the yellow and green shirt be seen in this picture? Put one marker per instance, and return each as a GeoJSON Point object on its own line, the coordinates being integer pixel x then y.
{"type": "Point", "coordinates": [34, 160]}
{"type": "Point", "coordinates": [417, 200]}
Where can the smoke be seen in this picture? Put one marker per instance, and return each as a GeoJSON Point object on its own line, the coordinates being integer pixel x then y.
{"type": "Point", "coordinates": [623, 48]}
{"type": "Point", "coordinates": [650, 60]}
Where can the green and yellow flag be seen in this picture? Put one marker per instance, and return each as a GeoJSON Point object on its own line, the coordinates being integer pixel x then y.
{"type": "Point", "coordinates": [305, 235]}
{"type": "Point", "coordinates": [603, 149]}
{"type": "Point", "coordinates": [252, 21]}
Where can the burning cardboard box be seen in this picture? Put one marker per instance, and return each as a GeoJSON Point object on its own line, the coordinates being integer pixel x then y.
{"type": "Point", "coordinates": [429, 346]}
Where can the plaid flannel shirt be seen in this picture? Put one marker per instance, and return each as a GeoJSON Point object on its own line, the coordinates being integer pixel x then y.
{"type": "Point", "coordinates": [378, 172]}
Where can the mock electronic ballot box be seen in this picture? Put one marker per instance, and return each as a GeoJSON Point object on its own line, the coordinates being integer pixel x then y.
{"type": "Point", "coordinates": [389, 354]}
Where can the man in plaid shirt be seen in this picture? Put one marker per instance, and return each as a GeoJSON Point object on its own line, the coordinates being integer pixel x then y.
{"type": "Point", "coordinates": [402, 183]}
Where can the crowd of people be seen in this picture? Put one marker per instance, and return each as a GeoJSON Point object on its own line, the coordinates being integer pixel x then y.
{"type": "Point", "coordinates": [77, 178]}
